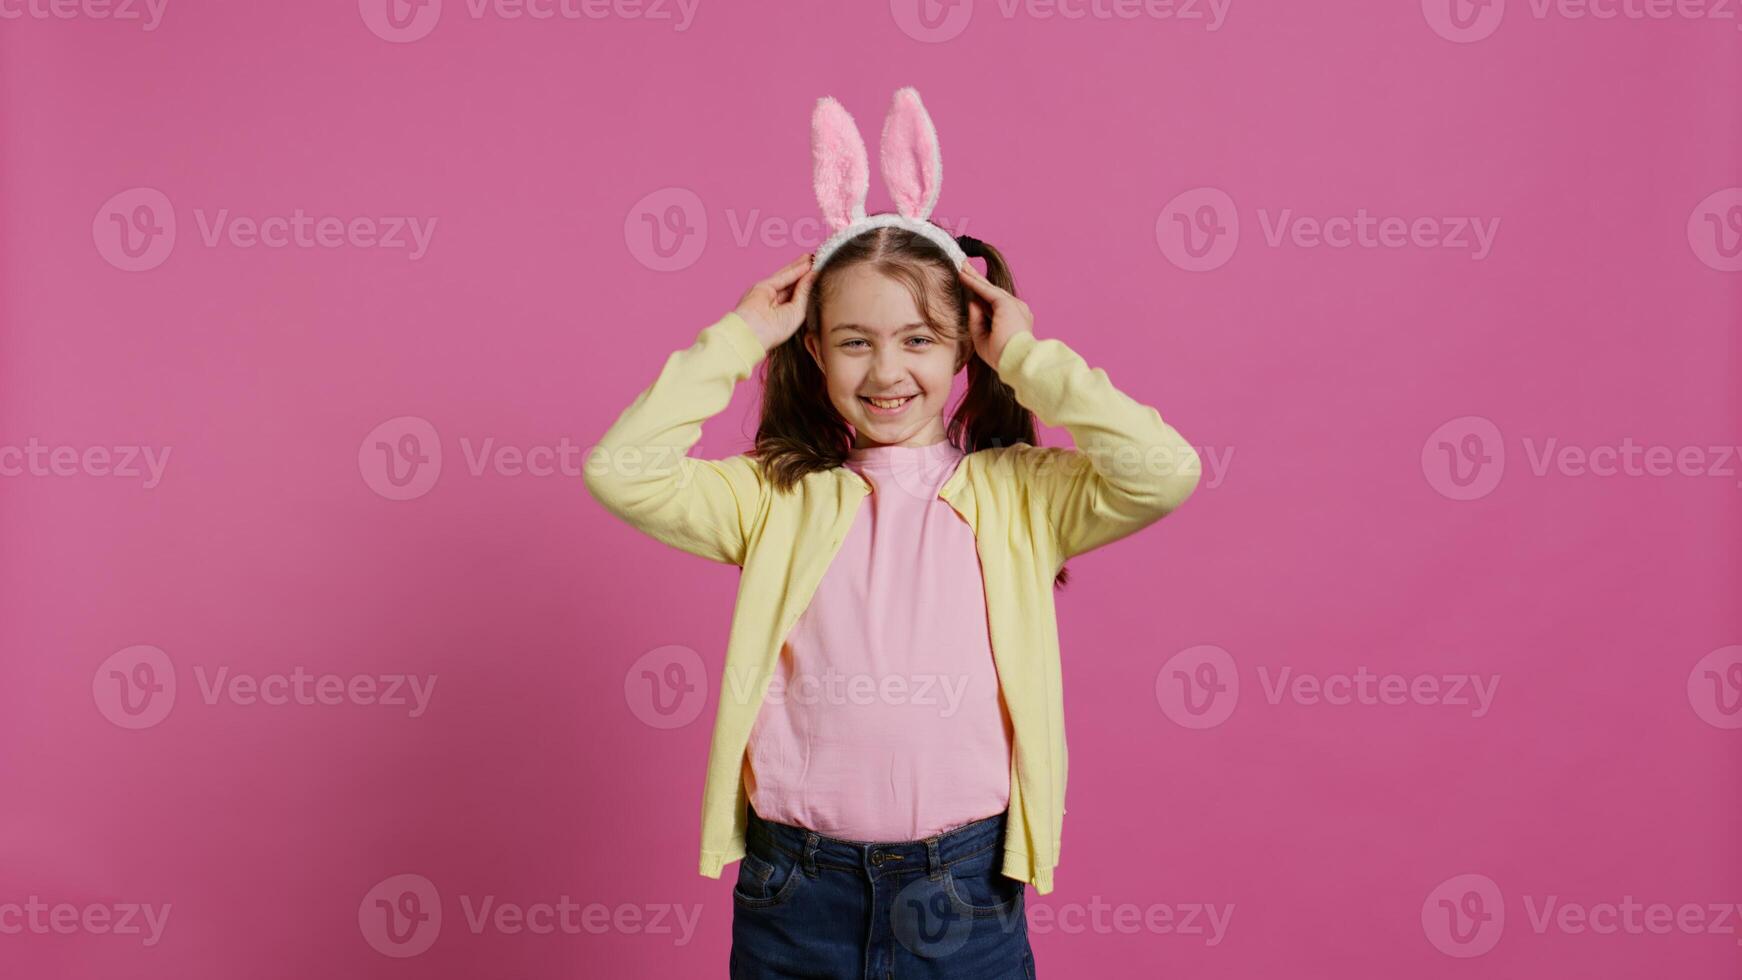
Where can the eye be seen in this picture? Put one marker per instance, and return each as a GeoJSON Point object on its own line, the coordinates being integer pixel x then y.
{"type": "Point", "coordinates": [923, 340]}
{"type": "Point", "coordinates": [852, 342]}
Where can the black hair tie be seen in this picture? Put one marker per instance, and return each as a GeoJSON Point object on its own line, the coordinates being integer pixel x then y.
{"type": "Point", "coordinates": [971, 246]}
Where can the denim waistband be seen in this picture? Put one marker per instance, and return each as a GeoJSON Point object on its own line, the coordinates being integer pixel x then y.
{"type": "Point", "coordinates": [926, 854]}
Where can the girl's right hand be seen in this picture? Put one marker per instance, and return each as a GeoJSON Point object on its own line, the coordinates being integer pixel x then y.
{"type": "Point", "coordinates": [775, 307]}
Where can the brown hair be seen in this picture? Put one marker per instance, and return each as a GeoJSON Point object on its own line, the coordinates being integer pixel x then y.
{"type": "Point", "coordinates": [801, 432]}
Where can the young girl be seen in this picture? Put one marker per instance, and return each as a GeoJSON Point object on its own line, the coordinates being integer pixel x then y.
{"type": "Point", "coordinates": [888, 758]}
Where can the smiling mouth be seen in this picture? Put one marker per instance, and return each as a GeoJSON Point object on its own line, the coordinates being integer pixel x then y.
{"type": "Point", "coordinates": [888, 404]}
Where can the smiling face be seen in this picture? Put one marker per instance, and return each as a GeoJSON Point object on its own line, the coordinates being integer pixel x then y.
{"type": "Point", "coordinates": [888, 372]}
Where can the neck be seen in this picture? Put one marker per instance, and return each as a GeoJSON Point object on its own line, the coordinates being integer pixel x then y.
{"type": "Point", "coordinates": [931, 435]}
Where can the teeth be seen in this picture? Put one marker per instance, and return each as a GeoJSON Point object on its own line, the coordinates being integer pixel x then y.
{"type": "Point", "coordinates": [888, 402]}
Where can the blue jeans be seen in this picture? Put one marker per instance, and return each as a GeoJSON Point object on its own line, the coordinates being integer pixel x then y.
{"type": "Point", "coordinates": [807, 905]}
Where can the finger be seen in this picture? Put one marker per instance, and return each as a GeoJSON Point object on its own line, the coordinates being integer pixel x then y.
{"type": "Point", "coordinates": [790, 272]}
{"type": "Point", "coordinates": [802, 291]}
{"type": "Point", "coordinates": [976, 317]}
{"type": "Point", "coordinates": [989, 289]}
{"type": "Point", "coordinates": [978, 283]}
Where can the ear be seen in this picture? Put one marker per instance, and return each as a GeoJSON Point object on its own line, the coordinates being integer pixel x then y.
{"type": "Point", "coordinates": [810, 344]}
{"type": "Point", "coordinates": [913, 167]}
{"type": "Point", "coordinates": [841, 170]}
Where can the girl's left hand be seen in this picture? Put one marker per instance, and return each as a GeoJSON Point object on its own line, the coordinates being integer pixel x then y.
{"type": "Point", "coordinates": [1009, 315]}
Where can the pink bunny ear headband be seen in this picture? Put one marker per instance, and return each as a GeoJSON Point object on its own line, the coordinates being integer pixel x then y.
{"type": "Point", "coordinates": [913, 170]}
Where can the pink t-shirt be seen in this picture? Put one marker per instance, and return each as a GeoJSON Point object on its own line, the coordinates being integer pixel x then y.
{"type": "Point", "coordinates": [883, 721]}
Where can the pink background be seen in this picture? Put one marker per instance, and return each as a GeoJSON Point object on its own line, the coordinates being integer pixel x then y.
{"type": "Point", "coordinates": [1329, 538]}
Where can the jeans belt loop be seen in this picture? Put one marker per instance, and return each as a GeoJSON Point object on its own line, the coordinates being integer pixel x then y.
{"type": "Point", "coordinates": [811, 841]}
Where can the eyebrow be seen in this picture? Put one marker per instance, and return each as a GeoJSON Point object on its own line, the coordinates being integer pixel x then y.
{"type": "Point", "coordinates": [856, 327]}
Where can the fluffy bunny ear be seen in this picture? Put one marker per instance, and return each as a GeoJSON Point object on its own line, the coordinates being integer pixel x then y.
{"type": "Point", "coordinates": [841, 168]}
{"type": "Point", "coordinates": [913, 167]}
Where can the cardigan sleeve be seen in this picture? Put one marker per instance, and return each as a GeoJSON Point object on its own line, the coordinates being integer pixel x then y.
{"type": "Point", "coordinates": [1128, 469]}
{"type": "Point", "coordinates": [641, 469]}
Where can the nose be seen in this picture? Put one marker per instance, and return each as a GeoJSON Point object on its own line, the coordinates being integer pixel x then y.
{"type": "Point", "coordinates": [886, 367]}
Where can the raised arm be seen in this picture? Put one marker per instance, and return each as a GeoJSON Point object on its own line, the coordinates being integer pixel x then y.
{"type": "Point", "coordinates": [1128, 469]}
{"type": "Point", "coordinates": [641, 469]}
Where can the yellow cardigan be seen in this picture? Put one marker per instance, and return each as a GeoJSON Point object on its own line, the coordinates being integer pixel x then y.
{"type": "Point", "coordinates": [1030, 508]}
